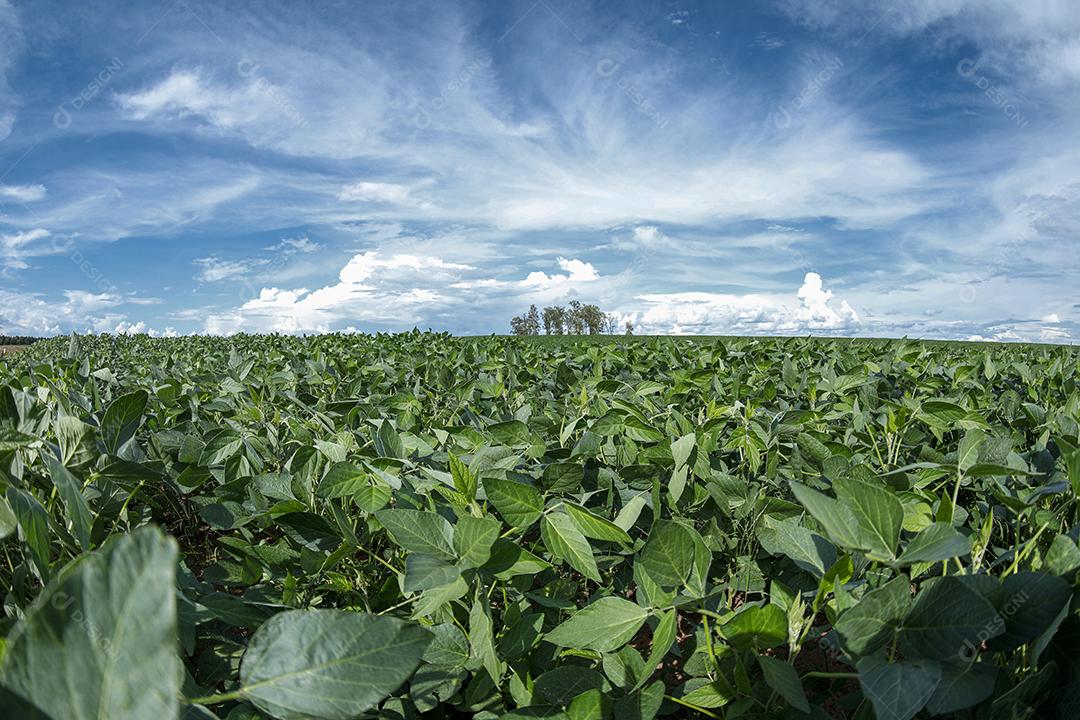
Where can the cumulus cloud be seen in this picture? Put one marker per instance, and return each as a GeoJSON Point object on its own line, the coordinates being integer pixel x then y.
{"type": "Point", "coordinates": [141, 328]}
{"type": "Point", "coordinates": [370, 287]}
{"type": "Point", "coordinates": [576, 271]}
{"type": "Point", "coordinates": [80, 310]}
{"type": "Point", "coordinates": [701, 313]}
{"type": "Point", "coordinates": [400, 290]}
{"type": "Point", "coordinates": [815, 304]}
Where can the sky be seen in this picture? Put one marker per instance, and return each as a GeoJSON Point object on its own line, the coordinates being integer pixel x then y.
{"type": "Point", "coordinates": [782, 167]}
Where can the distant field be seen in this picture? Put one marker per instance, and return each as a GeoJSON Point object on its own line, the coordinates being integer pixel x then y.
{"type": "Point", "coordinates": [5, 349]}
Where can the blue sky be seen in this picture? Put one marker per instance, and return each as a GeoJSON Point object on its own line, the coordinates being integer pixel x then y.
{"type": "Point", "coordinates": [835, 167]}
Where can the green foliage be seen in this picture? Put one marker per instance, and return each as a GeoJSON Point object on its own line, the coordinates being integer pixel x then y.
{"type": "Point", "coordinates": [426, 526]}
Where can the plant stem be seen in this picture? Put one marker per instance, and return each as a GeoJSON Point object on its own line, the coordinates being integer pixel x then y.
{"type": "Point", "coordinates": [835, 675]}
{"type": "Point", "coordinates": [375, 556]}
{"type": "Point", "coordinates": [215, 699]}
{"type": "Point", "coordinates": [693, 707]}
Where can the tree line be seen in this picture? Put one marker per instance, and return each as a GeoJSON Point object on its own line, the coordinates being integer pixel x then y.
{"type": "Point", "coordinates": [575, 319]}
{"type": "Point", "coordinates": [17, 340]}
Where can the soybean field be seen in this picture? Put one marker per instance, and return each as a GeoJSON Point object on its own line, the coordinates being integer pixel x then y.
{"type": "Point", "coordinates": [428, 526]}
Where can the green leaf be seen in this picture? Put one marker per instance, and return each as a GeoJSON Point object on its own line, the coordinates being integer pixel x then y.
{"type": "Point", "coordinates": [373, 497]}
{"type": "Point", "coordinates": [1062, 558]}
{"type": "Point", "coordinates": [962, 687]}
{"type": "Point", "coordinates": [681, 449]}
{"type": "Point", "coordinates": [835, 517]}
{"type": "Point", "coordinates": [221, 447]}
{"type": "Point", "coordinates": [508, 559]}
{"type": "Point", "coordinates": [473, 538]}
{"type": "Point", "coordinates": [424, 572]}
{"type": "Point", "coordinates": [809, 551]}
{"type": "Point", "coordinates": [419, 531]}
{"type": "Point", "coordinates": [564, 541]}
{"type": "Point", "coordinates": [343, 480]}
{"type": "Point", "coordinates": [519, 504]}
{"type": "Point", "coordinates": [869, 625]}
{"type": "Point", "coordinates": [668, 554]}
{"type": "Point", "coordinates": [941, 414]}
{"type": "Point", "coordinates": [122, 419]}
{"type": "Point", "coordinates": [879, 512]}
{"type": "Point", "coordinates": [898, 690]}
{"type": "Point", "coordinates": [482, 637]}
{"type": "Point", "coordinates": [640, 705]}
{"type": "Point", "coordinates": [9, 523]}
{"type": "Point", "coordinates": [709, 695]}
{"type": "Point", "coordinates": [70, 490]}
{"type": "Point", "coordinates": [522, 636]}
{"type": "Point", "coordinates": [783, 678]}
{"type": "Point", "coordinates": [596, 527]}
{"type": "Point", "coordinates": [33, 529]}
{"type": "Point", "coordinates": [100, 642]}
{"type": "Point", "coordinates": [329, 664]}
{"type": "Point", "coordinates": [662, 640]}
{"type": "Point", "coordinates": [968, 452]}
{"type": "Point", "coordinates": [813, 448]}
{"type": "Point", "coordinates": [589, 705]}
{"type": "Point", "coordinates": [939, 541]}
{"type": "Point", "coordinates": [757, 626]}
{"type": "Point", "coordinates": [1029, 603]}
{"type": "Point", "coordinates": [388, 442]}
{"type": "Point", "coordinates": [562, 684]}
{"type": "Point", "coordinates": [464, 480]}
{"type": "Point", "coordinates": [512, 433]}
{"type": "Point", "coordinates": [448, 647]}
{"type": "Point", "coordinates": [604, 626]}
{"type": "Point", "coordinates": [949, 619]}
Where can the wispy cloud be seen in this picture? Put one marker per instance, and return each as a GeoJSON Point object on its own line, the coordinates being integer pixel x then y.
{"type": "Point", "coordinates": [22, 193]}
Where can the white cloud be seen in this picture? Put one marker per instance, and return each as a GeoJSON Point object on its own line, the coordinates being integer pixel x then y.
{"type": "Point", "coordinates": [1052, 318]}
{"type": "Point", "coordinates": [15, 247]}
{"type": "Point", "coordinates": [647, 236]}
{"type": "Point", "coordinates": [11, 44]}
{"type": "Point", "coordinates": [215, 269]}
{"type": "Point", "coordinates": [289, 246]}
{"type": "Point", "coordinates": [252, 105]}
{"type": "Point", "coordinates": [361, 267]}
{"type": "Point", "coordinates": [80, 311]}
{"type": "Point", "coordinates": [372, 288]}
{"type": "Point", "coordinates": [82, 301]}
{"type": "Point", "coordinates": [815, 301]}
{"type": "Point", "coordinates": [700, 313]}
{"type": "Point", "coordinates": [1042, 37]}
{"type": "Point", "coordinates": [576, 272]}
{"type": "Point", "coordinates": [589, 159]}
{"type": "Point", "coordinates": [398, 291]}
{"type": "Point", "coordinates": [375, 192]}
{"type": "Point", "coordinates": [23, 193]}
{"type": "Point", "coordinates": [141, 328]}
